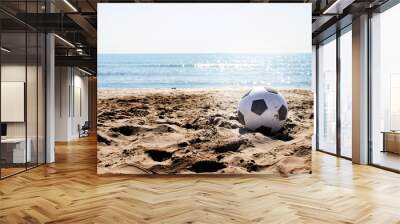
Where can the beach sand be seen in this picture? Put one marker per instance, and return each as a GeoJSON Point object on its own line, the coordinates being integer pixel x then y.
{"type": "Point", "coordinates": [197, 131]}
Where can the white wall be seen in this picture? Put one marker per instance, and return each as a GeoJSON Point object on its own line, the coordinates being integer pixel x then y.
{"type": "Point", "coordinates": [62, 81]}
{"type": "Point", "coordinates": [14, 72]}
{"type": "Point", "coordinates": [33, 126]}
{"type": "Point", "coordinates": [70, 109]}
{"type": "Point", "coordinates": [80, 109]}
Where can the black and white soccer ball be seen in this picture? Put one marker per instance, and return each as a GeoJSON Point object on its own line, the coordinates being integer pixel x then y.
{"type": "Point", "coordinates": [263, 109]}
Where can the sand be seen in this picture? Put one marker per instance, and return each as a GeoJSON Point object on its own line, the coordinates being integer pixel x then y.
{"type": "Point", "coordinates": [197, 131]}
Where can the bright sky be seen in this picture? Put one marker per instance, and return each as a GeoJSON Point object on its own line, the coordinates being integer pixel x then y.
{"type": "Point", "coordinates": [204, 28]}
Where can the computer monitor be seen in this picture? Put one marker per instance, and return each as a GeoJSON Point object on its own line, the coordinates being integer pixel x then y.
{"type": "Point", "coordinates": [3, 129]}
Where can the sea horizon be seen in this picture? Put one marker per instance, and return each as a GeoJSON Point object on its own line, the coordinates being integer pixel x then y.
{"type": "Point", "coordinates": [241, 53]}
{"type": "Point", "coordinates": [204, 70]}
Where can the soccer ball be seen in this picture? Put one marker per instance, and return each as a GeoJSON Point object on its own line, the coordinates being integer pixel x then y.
{"type": "Point", "coordinates": [263, 109]}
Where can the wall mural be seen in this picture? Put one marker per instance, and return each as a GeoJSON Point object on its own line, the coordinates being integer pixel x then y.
{"type": "Point", "coordinates": [204, 88]}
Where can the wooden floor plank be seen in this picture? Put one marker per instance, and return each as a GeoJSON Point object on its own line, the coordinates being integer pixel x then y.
{"type": "Point", "coordinates": [70, 191]}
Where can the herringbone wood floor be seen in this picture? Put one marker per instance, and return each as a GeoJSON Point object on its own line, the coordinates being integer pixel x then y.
{"type": "Point", "coordinates": [69, 191]}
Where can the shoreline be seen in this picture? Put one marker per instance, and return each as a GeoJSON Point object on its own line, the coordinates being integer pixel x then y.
{"type": "Point", "coordinates": [200, 88]}
{"type": "Point", "coordinates": [103, 92]}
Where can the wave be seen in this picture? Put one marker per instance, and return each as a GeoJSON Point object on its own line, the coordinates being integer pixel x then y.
{"type": "Point", "coordinates": [196, 65]}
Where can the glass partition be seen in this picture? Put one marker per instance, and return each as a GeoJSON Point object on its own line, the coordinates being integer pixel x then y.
{"type": "Point", "coordinates": [346, 94]}
{"type": "Point", "coordinates": [327, 96]}
{"type": "Point", "coordinates": [22, 107]}
{"type": "Point", "coordinates": [14, 155]}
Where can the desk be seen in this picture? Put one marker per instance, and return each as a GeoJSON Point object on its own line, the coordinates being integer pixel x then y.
{"type": "Point", "coordinates": [15, 148]}
{"type": "Point", "coordinates": [391, 141]}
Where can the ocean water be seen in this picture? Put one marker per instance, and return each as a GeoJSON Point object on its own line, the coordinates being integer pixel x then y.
{"type": "Point", "coordinates": [161, 71]}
